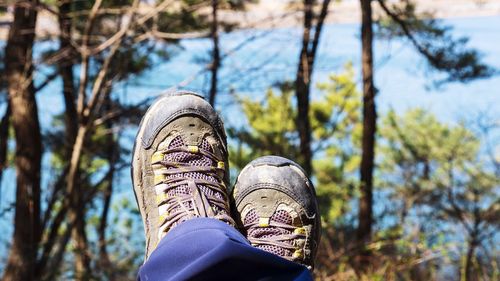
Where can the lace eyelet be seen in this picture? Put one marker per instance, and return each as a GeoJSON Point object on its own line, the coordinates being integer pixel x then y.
{"type": "Point", "coordinates": [298, 254]}
{"type": "Point", "coordinates": [193, 148]}
{"type": "Point", "coordinates": [299, 230]}
{"type": "Point", "coordinates": [264, 222]}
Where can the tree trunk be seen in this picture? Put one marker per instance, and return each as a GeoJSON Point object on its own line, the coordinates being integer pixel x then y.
{"type": "Point", "coordinates": [19, 73]}
{"type": "Point", "coordinates": [66, 72]}
{"type": "Point", "coordinates": [76, 211]}
{"type": "Point", "coordinates": [104, 259]}
{"type": "Point", "coordinates": [310, 43]}
{"type": "Point", "coordinates": [302, 89]}
{"type": "Point", "coordinates": [112, 157]}
{"type": "Point", "coordinates": [469, 274]}
{"type": "Point", "coordinates": [472, 244]}
{"type": "Point", "coordinates": [78, 234]}
{"type": "Point", "coordinates": [369, 128]}
{"type": "Point", "coordinates": [4, 137]}
{"type": "Point", "coordinates": [214, 33]}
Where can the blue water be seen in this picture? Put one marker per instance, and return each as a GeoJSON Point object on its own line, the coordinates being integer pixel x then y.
{"type": "Point", "coordinates": [401, 78]}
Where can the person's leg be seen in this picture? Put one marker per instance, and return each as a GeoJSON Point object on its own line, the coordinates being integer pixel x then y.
{"type": "Point", "coordinates": [208, 249]}
{"type": "Point", "coordinates": [180, 178]}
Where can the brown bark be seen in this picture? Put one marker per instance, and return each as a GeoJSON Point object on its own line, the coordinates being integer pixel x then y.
{"type": "Point", "coordinates": [473, 242]}
{"type": "Point", "coordinates": [214, 33]}
{"type": "Point", "coordinates": [66, 72]}
{"type": "Point", "coordinates": [50, 240]}
{"type": "Point", "coordinates": [4, 137]}
{"type": "Point", "coordinates": [469, 270]}
{"type": "Point", "coordinates": [85, 56]}
{"type": "Point", "coordinates": [302, 91]}
{"type": "Point", "coordinates": [19, 74]}
{"type": "Point", "coordinates": [365, 215]}
{"type": "Point", "coordinates": [77, 202]}
{"type": "Point", "coordinates": [78, 234]}
{"type": "Point", "coordinates": [303, 78]}
{"type": "Point", "coordinates": [104, 260]}
{"type": "Point", "coordinates": [54, 268]}
{"type": "Point", "coordinates": [319, 27]}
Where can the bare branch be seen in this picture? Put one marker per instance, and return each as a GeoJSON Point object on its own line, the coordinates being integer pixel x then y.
{"type": "Point", "coordinates": [47, 80]}
{"type": "Point", "coordinates": [84, 68]}
{"type": "Point", "coordinates": [119, 35]}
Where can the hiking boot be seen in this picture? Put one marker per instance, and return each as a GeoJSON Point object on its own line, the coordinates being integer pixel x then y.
{"type": "Point", "coordinates": [179, 165]}
{"type": "Point", "coordinates": [277, 209]}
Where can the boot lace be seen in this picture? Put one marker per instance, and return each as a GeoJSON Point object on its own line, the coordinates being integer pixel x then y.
{"type": "Point", "coordinates": [189, 184]}
{"type": "Point", "coordinates": [276, 235]}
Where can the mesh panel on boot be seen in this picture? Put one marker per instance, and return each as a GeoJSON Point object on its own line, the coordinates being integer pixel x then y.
{"type": "Point", "coordinates": [280, 216]}
{"type": "Point", "coordinates": [193, 160]}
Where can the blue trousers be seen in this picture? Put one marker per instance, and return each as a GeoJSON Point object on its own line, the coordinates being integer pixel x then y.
{"type": "Point", "coordinates": [208, 249]}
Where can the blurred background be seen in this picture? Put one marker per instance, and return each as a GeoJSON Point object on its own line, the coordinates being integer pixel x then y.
{"type": "Point", "coordinates": [392, 107]}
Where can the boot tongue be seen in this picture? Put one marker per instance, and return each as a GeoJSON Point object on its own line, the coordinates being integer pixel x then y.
{"type": "Point", "coordinates": [193, 159]}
